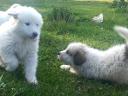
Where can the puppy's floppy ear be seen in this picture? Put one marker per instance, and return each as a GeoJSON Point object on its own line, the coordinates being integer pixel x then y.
{"type": "Point", "coordinates": [79, 57]}
{"type": "Point", "coordinates": [14, 10]}
{"type": "Point", "coordinates": [15, 15]}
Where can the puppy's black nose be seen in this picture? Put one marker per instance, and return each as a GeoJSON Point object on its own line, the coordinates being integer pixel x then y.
{"type": "Point", "coordinates": [34, 34]}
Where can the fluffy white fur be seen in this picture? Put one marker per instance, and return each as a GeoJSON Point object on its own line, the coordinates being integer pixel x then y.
{"type": "Point", "coordinates": [12, 7]}
{"type": "Point", "coordinates": [19, 41]}
{"type": "Point", "coordinates": [111, 64]}
{"type": "Point", "coordinates": [4, 16]}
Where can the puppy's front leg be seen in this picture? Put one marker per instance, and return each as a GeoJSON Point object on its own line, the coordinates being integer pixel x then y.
{"type": "Point", "coordinates": [65, 67]}
{"type": "Point", "coordinates": [30, 68]}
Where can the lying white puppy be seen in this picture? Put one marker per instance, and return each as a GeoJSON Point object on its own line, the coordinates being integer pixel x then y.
{"type": "Point", "coordinates": [4, 14]}
{"type": "Point", "coordinates": [19, 41]}
{"type": "Point", "coordinates": [111, 64]}
{"type": "Point", "coordinates": [99, 18]}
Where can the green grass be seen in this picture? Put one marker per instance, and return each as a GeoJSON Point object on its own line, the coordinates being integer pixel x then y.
{"type": "Point", "coordinates": [52, 80]}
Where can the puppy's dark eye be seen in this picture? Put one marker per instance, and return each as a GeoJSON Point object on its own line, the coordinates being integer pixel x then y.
{"type": "Point", "coordinates": [68, 52]}
{"type": "Point", "coordinates": [37, 24]}
{"type": "Point", "coordinates": [27, 23]}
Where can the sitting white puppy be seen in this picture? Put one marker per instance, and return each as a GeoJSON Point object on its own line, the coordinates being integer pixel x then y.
{"type": "Point", "coordinates": [111, 64]}
{"type": "Point", "coordinates": [19, 41]}
{"type": "Point", "coordinates": [4, 14]}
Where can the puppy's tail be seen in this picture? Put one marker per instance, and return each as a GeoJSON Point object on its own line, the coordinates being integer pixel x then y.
{"type": "Point", "coordinates": [122, 31]}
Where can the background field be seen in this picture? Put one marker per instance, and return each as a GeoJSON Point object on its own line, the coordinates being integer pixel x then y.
{"type": "Point", "coordinates": [52, 80]}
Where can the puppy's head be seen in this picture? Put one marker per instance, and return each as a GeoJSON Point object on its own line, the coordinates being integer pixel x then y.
{"type": "Point", "coordinates": [74, 54]}
{"type": "Point", "coordinates": [27, 21]}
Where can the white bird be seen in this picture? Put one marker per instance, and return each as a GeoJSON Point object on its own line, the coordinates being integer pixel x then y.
{"type": "Point", "coordinates": [99, 18]}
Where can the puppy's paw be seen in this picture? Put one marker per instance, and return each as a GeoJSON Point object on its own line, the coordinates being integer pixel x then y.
{"type": "Point", "coordinates": [73, 71]}
{"type": "Point", "coordinates": [65, 67]}
{"type": "Point", "coordinates": [32, 81]}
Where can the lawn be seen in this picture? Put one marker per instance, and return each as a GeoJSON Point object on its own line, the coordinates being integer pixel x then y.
{"type": "Point", "coordinates": [52, 80]}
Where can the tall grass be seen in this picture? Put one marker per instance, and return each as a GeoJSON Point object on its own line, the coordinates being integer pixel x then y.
{"type": "Point", "coordinates": [60, 20]}
{"type": "Point", "coordinates": [119, 3]}
{"type": "Point", "coordinates": [61, 14]}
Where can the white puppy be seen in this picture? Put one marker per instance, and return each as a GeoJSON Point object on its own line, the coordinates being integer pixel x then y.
{"type": "Point", "coordinates": [19, 41]}
{"type": "Point", "coordinates": [4, 14]}
{"type": "Point", "coordinates": [111, 64]}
